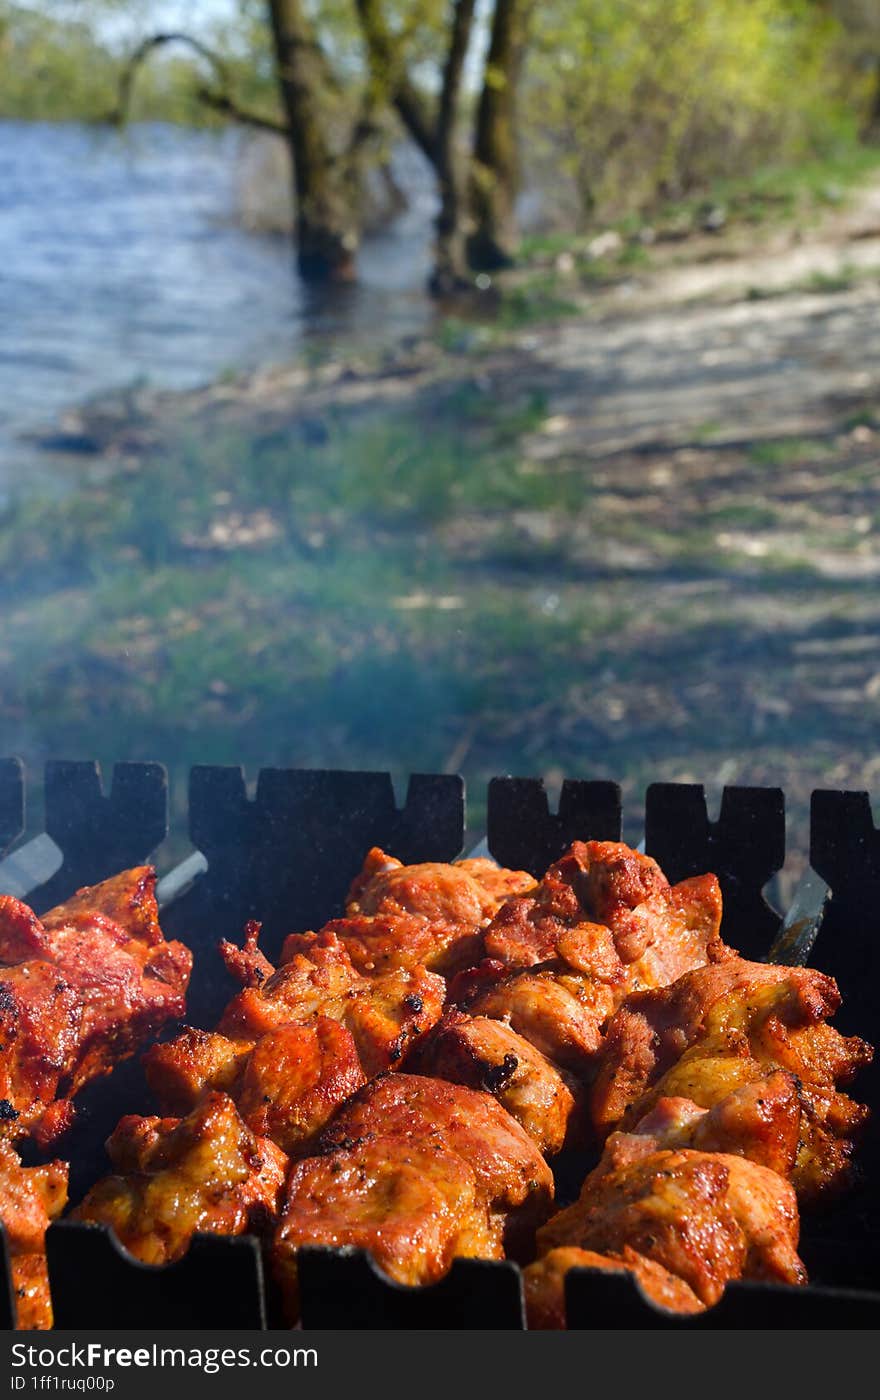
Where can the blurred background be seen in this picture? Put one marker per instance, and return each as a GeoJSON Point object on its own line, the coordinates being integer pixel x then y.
{"type": "Point", "coordinates": [485, 386]}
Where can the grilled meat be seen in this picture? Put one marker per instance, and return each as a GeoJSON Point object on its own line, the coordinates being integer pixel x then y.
{"type": "Point", "coordinates": [725, 1026]}
{"type": "Point", "coordinates": [706, 1218]}
{"type": "Point", "coordinates": [297, 1041]}
{"type": "Point", "coordinates": [80, 989]}
{"type": "Point", "coordinates": [430, 915]}
{"type": "Point", "coordinates": [174, 1176]}
{"type": "Point", "coordinates": [487, 1054]}
{"type": "Point", "coordinates": [30, 1198]}
{"type": "Point", "coordinates": [416, 1171]}
{"type": "Point", "coordinates": [561, 957]}
{"type": "Point", "coordinates": [603, 906]}
{"type": "Point", "coordinates": [544, 1283]}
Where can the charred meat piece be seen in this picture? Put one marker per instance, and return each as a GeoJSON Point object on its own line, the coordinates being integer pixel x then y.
{"type": "Point", "coordinates": [544, 1283]}
{"type": "Point", "coordinates": [294, 1079]}
{"type": "Point", "coordinates": [706, 1218]}
{"type": "Point", "coordinates": [414, 1207]}
{"type": "Point", "coordinates": [514, 1179]}
{"type": "Point", "coordinates": [285, 1085]}
{"type": "Point", "coordinates": [181, 1071]}
{"type": "Point", "coordinates": [175, 1176]}
{"type": "Point", "coordinates": [80, 989]}
{"type": "Point", "coordinates": [433, 914]}
{"type": "Point", "coordinates": [30, 1198]}
{"type": "Point", "coordinates": [487, 1054]}
{"type": "Point", "coordinates": [725, 1026]}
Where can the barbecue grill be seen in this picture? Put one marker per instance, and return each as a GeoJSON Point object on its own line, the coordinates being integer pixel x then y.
{"type": "Point", "coordinates": [287, 858]}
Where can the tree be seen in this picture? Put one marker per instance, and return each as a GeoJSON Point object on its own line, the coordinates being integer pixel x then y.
{"type": "Point", "coordinates": [495, 166]}
{"type": "Point", "coordinates": [434, 129]}
{"type": "Point", "coordinates": [477, 187]}
{"type": "Point", "coordinates": [327, 144]}
{"type": "Point", "coordinates": [324, 180]}
{"type": "Point", "coordinates": [331, 116]}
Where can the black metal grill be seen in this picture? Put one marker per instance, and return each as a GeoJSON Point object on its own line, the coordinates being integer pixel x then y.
{"type": "Point", "coordinates": [287, 857]}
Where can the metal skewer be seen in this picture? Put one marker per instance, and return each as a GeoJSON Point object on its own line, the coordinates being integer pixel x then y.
{"type": "Point", "coordinates": [793, 944]}
{"type": "Point", "coordinates": [37, 861]}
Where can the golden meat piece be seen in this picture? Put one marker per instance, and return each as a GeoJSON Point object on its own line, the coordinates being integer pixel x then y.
{"type": "Point", "coordinates": [607, 912]}
{"type": "Point", "coordinates": [385, 1014]}
{"type": "Point", "coordinates": [298, 1040]}
{"type": "Point", "coordinates": [560, 1014]}
{"type": "Point", "coordinates": [514, 1179]}
{"type": "Point", "coordinates": [416, 1171]}
{"type": "Point", "coordinates": [402, 916]}
{"type": "Point", "coordinates": [30, 1198]}
{"type": "Point", "coordinates": [487, 1054]}
{"type": "Point", "coordinates": [80, 989]}
{"type": "Point", "coordinates": [760, 1119]}
{"type": "Point", "coordinates": [414, 1208]}
{"type": "Point", "coordinates": [707, 1218]}
{"type": "Point", "coordinates": [175, 1176]}
{"type": "Point", "coordinates": [544, 1283]}
{"type": "Point", "coordinates": [724, 1026]}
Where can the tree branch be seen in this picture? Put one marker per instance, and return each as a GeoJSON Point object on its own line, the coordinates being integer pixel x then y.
{"type": "Point", "coordinates": [389, 71]}
{"type": "Point", "coordinates": [219, 99]}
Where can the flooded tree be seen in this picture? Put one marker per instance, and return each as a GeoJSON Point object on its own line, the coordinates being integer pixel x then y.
{"type": "Point", "coordinates": [332, 113]}
{"type": "Point", "coordinates": [495, 167]}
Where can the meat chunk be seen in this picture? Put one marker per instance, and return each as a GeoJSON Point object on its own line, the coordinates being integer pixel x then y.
{"type": "Point", "coordinates": [80, 989]}
{"type": "Point", "coordinates": [487, 1054]}
{"type": "Point", "coordinates": [385, 1014]}
{"type": "Point", "coordinates": [614, 878]}
{"type": "Point", "coordinates": [607, 912]}
{"type": "Point", "coordinates": [544, 1283]}
{"type": "Point", "coordinates": [707, 1218]}
{"type": "Point", "coordinates": [561, 1016]}
{"type": "Point", "coordinates": [30, 1198]}
{"type": "Point", "coordinates": [415, 1171]}
{"type": "Point", "coordinates": [401, 916]}
{"type": "Point", "coordinates": [296, 1041]}
{"type": "Point", "coordinates": [724, 1026]}
{"type": "Point", "coordinates": [760, 1120]}
{"type": "Point", "coordinates": [513, 1177]}
{"type": "Point", "coordinates": [207, 1172]}
{"type": "Point", "coordinates": [181, 1071]}
{"type": "Point", "coordinates": [676, 930]}
{"type": "Point", "coordinates": [295, 1078]}
{"type": "Point", "coordinates": [413, 1207]}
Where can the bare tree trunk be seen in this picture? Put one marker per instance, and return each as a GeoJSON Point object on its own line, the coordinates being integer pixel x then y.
{"type": "Point", "coordinates": [495, 170]}
{"type": "Point", "coordinates": [326, 222]}
{"type": "Point", "coordinates": [450, 266]}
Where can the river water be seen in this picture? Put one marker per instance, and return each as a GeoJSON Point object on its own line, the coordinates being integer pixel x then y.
{"type": "Point", "coordinates": [121, 260]}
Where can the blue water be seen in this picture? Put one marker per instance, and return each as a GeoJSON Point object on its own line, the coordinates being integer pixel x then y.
{"type": "Point", "coordinates": [121, 261]}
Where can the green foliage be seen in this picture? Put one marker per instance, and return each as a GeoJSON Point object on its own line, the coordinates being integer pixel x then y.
{"type": "Point", "coordinates": [57, 63]}
{"type": "Point", "coordinates": [643, 99]}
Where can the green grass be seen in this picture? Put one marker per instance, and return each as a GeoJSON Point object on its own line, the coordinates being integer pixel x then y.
{"type": "Point", "coordinates": [786, 452]}
{"type": "Point", "coordinates": [776, 194]}
{"type": "Point", "coordinates": [408, 589]}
